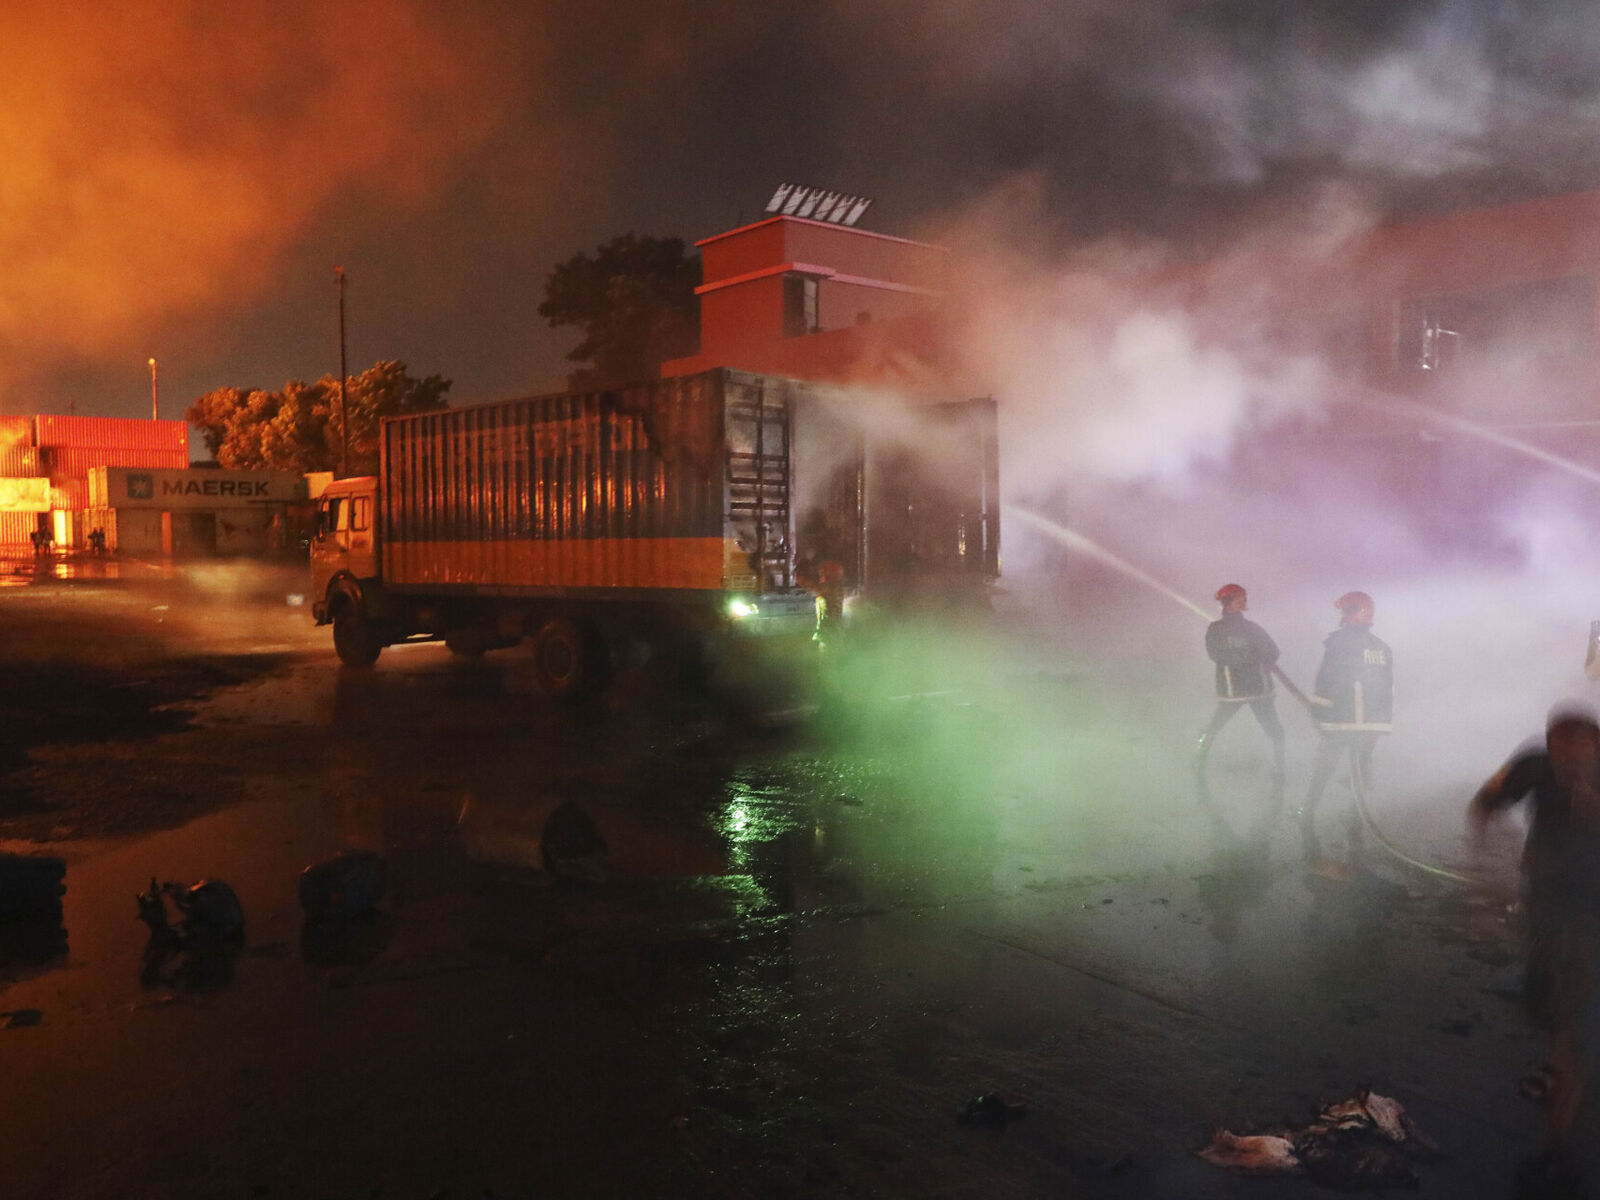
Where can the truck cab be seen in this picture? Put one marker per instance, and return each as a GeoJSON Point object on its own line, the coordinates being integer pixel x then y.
{"type": "Point", "coordinates": [344, 547]}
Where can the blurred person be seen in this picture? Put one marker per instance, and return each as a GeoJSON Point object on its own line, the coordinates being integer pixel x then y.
{"type": "Point", "coordinates": [1352, 704]}
{"type": "Point", "coordinates": [826, 582]}
{"type": "Point", "coordinates": [1561, 899]}
{"type": "Point", "coordinates": [1245, 656]}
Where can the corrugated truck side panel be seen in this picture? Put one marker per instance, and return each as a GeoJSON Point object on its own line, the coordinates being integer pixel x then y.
{"type": "Point", "coordinates": [619, 489]}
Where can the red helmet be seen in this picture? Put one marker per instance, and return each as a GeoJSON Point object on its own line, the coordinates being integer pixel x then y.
{"type": "Point", "coordinates": [1228, 593]}
{"type": "Point", "coordinates": [831, 572]}
{"type": "Point", "coordinates": [1356, 608]}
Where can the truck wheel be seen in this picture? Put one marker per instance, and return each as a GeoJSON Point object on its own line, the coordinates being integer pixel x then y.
{"type": "Point", "coordinates": [354, 640]}
{"type": "Point", "coordinates": [565, 660]}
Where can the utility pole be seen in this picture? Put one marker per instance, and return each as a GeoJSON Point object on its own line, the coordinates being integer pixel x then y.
{"type": "Point", "coordinates": [155, 408]}
{"type": "Point", "coordinates": [344, 424]}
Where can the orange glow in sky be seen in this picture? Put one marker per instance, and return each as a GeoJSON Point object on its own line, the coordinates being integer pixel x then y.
{"type": "Point", "coordinates": [157, 155]}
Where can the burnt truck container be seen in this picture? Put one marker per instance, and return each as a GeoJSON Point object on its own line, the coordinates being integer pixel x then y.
{"type": "Point", "coordinates": [661, 515]}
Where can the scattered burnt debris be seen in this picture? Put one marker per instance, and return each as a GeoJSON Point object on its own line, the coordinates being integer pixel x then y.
{"type": "Point", "coordinates": [346, 886]}
{"type": "Point", "coordinates": [1364, 1143]}
{"type": "Point", "coordinates": [992, 1110]}
{"type": "Point", "coordinates": [202, 945]}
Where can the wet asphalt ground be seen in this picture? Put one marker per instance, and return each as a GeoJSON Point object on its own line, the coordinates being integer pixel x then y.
{"type": "Point", "coordinates": [828, 913]}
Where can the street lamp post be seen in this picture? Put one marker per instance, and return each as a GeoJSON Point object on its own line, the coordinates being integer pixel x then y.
{"type": "Point", "coordinates": [155, 409]}
{"type": "Point", "coordinates": [344, 424]}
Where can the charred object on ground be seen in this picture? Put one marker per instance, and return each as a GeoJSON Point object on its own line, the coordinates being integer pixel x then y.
{"type": "Point", "coordinates": [210, 915]}
{"type": "Point", "coordinates": [340, 897]}
{"type": "Point", "coordinates": [347, 886]}
{"type": "Point", "coordinates": [205, 940]}
{"type": "Point", "coordinates": [992, 1110]}
{"type": "Point", "coordinates": [1364, 1143]}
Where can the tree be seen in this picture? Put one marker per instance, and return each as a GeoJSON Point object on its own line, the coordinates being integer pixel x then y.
{"type": "Point", "coordinates": [298, 428]}
{"type": "Point", "coordinates": [635, 303]}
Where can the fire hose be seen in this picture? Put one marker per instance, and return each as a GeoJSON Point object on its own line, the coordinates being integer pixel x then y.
{"type": "Point", "coordinates": [1077, 542]}
{"type": "Point", "coordinates": [1358, 786]}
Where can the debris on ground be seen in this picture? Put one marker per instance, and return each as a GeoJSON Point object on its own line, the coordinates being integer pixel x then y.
{"type": "Point", "coordinates": [30, 884]}
{"type": "Point", "coordinates": [210, 913]}
{"type": "Point", "coordinates": [1359, 1144]}
{"type": "Point", "coordinates": [31, 888]}
{"type": "Point", "coordinates": [992, 1110]}
{"type": "Point", "coordinates": [347, 885]}
{"type": "Point", "coordinates": [198, 952]}
{"type": "Point", "coordinates": [1251, 1154]}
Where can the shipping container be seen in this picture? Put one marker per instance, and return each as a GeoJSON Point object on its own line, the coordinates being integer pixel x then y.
{"type": "Point", "coordinates": [113, 433]}
{"type": "Point", "coordinates": [78, 461]}
{"type": "Point", "coordinates": [139, 531]}
{"type": "Point", "coordinates": [25, 494]}
{"type": "Point", "coordinates": [677, 485]}
{"type": "Point", "coordinates": [69, 493]}
{"type": "Point", "coordinates": [18, 461]}
{"type": "Point", "coordinates": [152, 487]}
{"type": "Point", "coordinates": [15, 528]}
{"type": "Point", "coordinates": [18, 455]}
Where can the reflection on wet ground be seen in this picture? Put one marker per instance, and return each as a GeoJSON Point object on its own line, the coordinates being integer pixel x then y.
{"type": "Point", "coordinates": [20, 569]}
{"type": "Point", "coordinates": [711, 958]}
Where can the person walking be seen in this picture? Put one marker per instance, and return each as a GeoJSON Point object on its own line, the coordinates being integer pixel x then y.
{"type": "Point", "coordinates": [1352, 703]}
{"type": "Point", "coordinates": [1561, 899]}
{"type": "Point", "coordinates": [1245, 656]}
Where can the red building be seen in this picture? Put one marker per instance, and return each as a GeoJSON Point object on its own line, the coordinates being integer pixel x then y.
{"type": "Point", "coordinates": [1495, 310]}
{"type": "Point", "coordinates": [813, 300]}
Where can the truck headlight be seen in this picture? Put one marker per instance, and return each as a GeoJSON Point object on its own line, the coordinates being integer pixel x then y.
{"type": "Point", "coordinates": [740, 609]}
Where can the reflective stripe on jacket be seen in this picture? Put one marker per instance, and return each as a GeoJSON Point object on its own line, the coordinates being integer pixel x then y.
{"type": "Point", "coordinates": [1354, 692]}
{"type": "Point", "coordinates": [1244, 655]}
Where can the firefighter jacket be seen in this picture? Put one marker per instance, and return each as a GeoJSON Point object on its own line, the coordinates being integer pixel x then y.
{"type": "Point", "coordinates": [1244, 655]}
{"type": "Point", "coordinates": [1354, 692]}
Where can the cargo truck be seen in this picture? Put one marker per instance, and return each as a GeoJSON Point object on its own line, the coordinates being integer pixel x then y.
{"type": "Point", "coordinates": [667, 516]}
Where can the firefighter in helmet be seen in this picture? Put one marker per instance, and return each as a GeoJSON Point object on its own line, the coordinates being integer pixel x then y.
{"type": "Point", "coordinates": [1245, 656]}
{"type": "Point", "coordinates": [1352, 704]}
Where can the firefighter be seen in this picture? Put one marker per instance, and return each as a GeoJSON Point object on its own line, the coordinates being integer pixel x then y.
{"type": "Point", "coordinates": [1352, 704]}
{"type": "Point", "coordinates": [829, 588]}
{"type": "Point", "coordinates": [1561, 898]}
{"type": "Point", "coordinates": [1245, 656]}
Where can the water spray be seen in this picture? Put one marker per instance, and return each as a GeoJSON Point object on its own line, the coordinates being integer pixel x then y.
{"type": "Point", "coordinates": [1076, 541]}
{"type": "Point", "coordinates": [1423, 413]}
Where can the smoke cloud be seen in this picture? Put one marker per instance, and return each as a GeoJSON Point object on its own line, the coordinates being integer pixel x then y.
{"type": "Point", "coordinates": [160, 155]}
{"type": "Point", "coordinates": [1175, 415]}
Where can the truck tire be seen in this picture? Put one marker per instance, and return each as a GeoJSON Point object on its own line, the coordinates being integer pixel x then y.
{"type": "Point", "coordinates": [354, 640]}
{"type": "Point", "coordinates": [566, 659]}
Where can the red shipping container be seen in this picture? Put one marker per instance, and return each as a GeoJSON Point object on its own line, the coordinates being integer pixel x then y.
{"type": "Point", "coordinates": [18, 461]}
{"type": "Point", "coordinates": [17, 454]}
{"type": "Point", "coordinates": [70, 494]}
{"type": "Point", "coordinates": [76, 460]}
{"type": "Point", "coordinates": [123, 433]}
{"type": "Point", "coordinates": [15, 528]}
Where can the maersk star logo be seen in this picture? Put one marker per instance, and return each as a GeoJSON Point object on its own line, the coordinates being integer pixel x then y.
{"type": "Point", "coordinates": [141, 487]}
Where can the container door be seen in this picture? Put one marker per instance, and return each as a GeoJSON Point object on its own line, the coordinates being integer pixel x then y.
{"type": "Point", "coordinates": [933, 523]}
{"type": "Point", "coordinates": [758, 434]}
{"type": "Point", "coordinates": [194, 534]}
